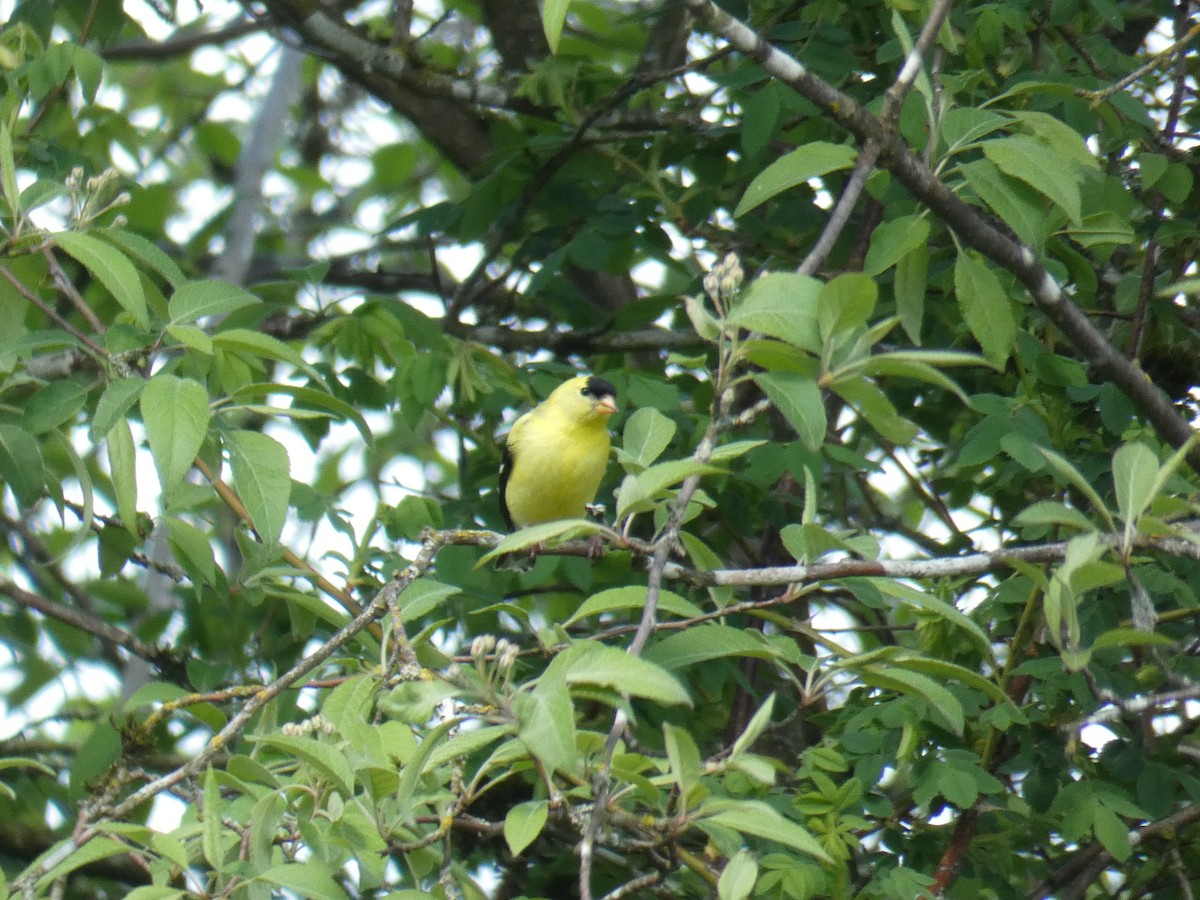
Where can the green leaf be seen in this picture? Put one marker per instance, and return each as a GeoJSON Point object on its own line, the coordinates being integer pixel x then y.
{"type": "Point", "coordinates": [738, 877]}
{"type": "Point", "coordinates": [309, 398]}
{"type": "Point", "coordinates": [262, 477]}
{"type": "Point", "coordinates": [195, 300]}
{"type": "Point", "coordinates": [96, 849]}
{"type": "Point", "coordinates": [684, 758]}
{"type": "Point", "coordinates": [781, 305]}
{"type": "Point", "coordinates": [190, 336]}
{"type": "Point", "coordinates": [705, 642]}
{"type": "Point", "coordinates": [554, 15]}
{"type": "Point", "coordinates": [255, 343]}
{"type": "Point", "coordinates": [1134, 469]}
{"type": "Point", "coordinates": [1072, 475]}
{"type": "Point", "coordinates": [845, 303]}
{"type": "Point", "coordinates": [122, 463]}
{"type": "Point", "coordinates": [758, 723]}
{"type": "Point", "coordinates": [547, 723]}
{"type": "Point", "coordinates": [1102, 229]}
{"type": "Point", "coordinates": [312, 879]}
{"type": "Point", "coordinates": [914, 683]}
{"type": "Point", "coordinates": [524, 823]}
{"type": "Point", "coordinates": [118, 398]}
{"type": "Point", "coordinates": [8, 174]}
{"type": "Point", "coordinates": [58, 403]}
{"type": "Point", "coordinates": [1111, 832]}
{"type": "Point", "coordinates": [909, 285]}
{"type": "Point", "coordinates": [176, 414]}
{"type": "Point", "coordinates": [799, 399]}
{"type": "Point", "coordinates": [1039, 165]}
{"type": "Point", "coordinates": [192, 550]}
{"type": "Point", "coordinates": [111, 268]}
{"type": "Point", "coordinates": [1052, 512]}
{"type": "Point", "coordinates": [651, 484]}
{"type": "Point", "coordinates": [613, 668]}
{"type": "Point", "coordinates": [873, 405]}
{"type": "Point", "coordinates": [423, 596]}
{"type": "Point", "coordinates": [733, 450]}
{"type": "Point", "coordinates": [1022, 209]}
{"type": "Point", "coordinates": [632, 597]}
{"type": "Point", "coordinates": [757, 818]}
{"type": "Point", "coordinates": [647, 434]}
{"type": "Point", "coordinates": [318, 755]}
{"type": "Point", "coordinates": [524, 538]}
{"type": "Point", "coordinates": [892, 241]}
{"type": "Point", "coordinates": [796, 168]}
{"type": "Point", "coordinates": [21, 464]}
{"type": "Point", "coordinates": [145, 252]}
{"type": "Point", "coordinates": [210, 835]}
{"type": "Point", "coordinates": [985, 307]}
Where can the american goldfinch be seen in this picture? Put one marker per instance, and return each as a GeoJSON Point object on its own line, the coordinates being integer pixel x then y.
{"type": "Point", "coordinates": [556, 454]}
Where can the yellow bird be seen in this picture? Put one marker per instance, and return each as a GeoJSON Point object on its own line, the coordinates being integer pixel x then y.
{"type": "Point", "coordinates": [555, 455]}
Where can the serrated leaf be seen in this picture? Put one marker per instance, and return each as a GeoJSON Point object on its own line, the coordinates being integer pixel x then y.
{"type": "Point", "coordinates": [8, 174]}
{"type": "Point", "coordinates": [705, 642]}
{"type": "Point", "coordinates": [311, 879]}
{"type": "Point", "coordinates": [892, 241]}
{"type": "Point", "coordinates": [554, 15]}
{"type": "Point", "coordinates": [196, 300]}
{"type": "Point", "coordinates": [754, 729]}
{"type": "Point", "coordinates": [118, 398]}
{"type": "Point", "coordinates": [190, 336]}
{"type": "Point", "coordinates": [176, 414]}
{"type": "Point", "coordinates": [210, 834]}
{"type": "Point", "coordinates": [547, 723]}
{"type": "Point", "coordinates": [58, 403]}
{"type": "Point", "coordinates": [909, 286]}
{"type": "Point", "coordinates": [632, 597]}
{"type": "Point", "coordinates": [757, 818]}
{"type": "Point", "coordinates": [796, 168]}
{"type": "Point", "coordinates": [1021, 208]}
{"type": "Point", "coordinates": [1073, 476]}
{"type": "Point", "coordinates": [646, 435]}
{"type": "Point", "coordinates": [1052, 512]}
{"type": "Point", "coordinates": [799, 399]}
{"type": "Point", "coordinates": [1039, 165]}
{"type": "Point", "coordinates": [423, 596]}
{"type": "Point", "coordinates": [684, 758]}
{"type": "Point", "coordinates": [917, 685]}
{"type": "Point", "coordinates": [613, 668]}
{"type": "Point", "coordinates": [733, 450]}
{"type": "Point", "coordinates": [985, 307]}
{"type": "Point", "coordinates": [21, 464]}
{"type": "Point", "coordinates": [525, 538]}
{"type": "Point", "coordinates": [738, 877]}
{"type": "Point", "coordinates": [145, 252]}
{"type": "Point", "coordinates": [262, 477]}
{"type": "Point", "coordinates": [845, 303]}
{"type": "Point", "coordinates": [781, 305]}
{"type": "Point", "coordinates": [111, 268]}
{"type": "Point", "coordinates": [192, 550]}
{"type": "Point", "coordinates": [122, 463]}
{"type": "Point", "coordinates": [256, 343]}
{"type": "Point", "coordinates": [651, 483]}
{"type": "Point", "coordinates": [322, 757]}
{"type": "Point", "coordinates": [523, 823]}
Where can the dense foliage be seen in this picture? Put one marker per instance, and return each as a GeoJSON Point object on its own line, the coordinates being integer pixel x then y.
{"type": "Point", "coordinates": [897, 592]}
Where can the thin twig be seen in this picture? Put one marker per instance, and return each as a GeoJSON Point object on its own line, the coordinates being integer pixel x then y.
{"type": "Point", "coordinates": [52, 314]}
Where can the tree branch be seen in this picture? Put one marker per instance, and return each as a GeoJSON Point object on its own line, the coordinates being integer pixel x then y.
{"type": "Point", "coordinates": [1106, 362]}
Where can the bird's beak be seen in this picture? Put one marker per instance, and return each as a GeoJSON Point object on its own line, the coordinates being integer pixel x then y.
{"type": "Point", "coordinates": [606, 406]}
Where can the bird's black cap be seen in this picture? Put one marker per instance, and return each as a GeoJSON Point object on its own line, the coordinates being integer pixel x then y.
{"type": "Point", "coordinates": [598, 387]}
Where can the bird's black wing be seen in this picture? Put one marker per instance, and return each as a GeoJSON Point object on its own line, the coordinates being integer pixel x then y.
{"type": "Point", "coordinates": [506, 464]}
